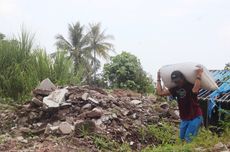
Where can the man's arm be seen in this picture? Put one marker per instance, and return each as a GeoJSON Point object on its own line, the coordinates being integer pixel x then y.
{"type": "Point", "coordinates": [197, 83]}
{"type": "Point", "coordinates": [160, 90]}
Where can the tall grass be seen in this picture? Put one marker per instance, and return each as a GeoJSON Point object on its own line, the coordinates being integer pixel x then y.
{"type": "Point", "coordinates": [22, 67]}
{"type": "Point", "coordinates": [16, 73]}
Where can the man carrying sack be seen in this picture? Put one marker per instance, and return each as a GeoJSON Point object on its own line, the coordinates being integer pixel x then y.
{"type": "Point", "coordinates": [186, 96]}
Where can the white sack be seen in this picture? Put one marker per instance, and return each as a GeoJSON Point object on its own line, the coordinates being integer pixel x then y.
{"type": "Point", "coordinates": [189, 71]}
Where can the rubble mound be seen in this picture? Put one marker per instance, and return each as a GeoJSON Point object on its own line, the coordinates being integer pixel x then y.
{"type": "Point", "coordinates": [75, 112]}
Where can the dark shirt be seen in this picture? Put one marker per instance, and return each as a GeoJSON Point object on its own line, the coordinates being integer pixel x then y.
{"type": "Point", "coordinates": [187, 101]}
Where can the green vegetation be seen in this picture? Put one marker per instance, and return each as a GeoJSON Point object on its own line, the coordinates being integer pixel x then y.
{"type": "Point", "coordinates": [160, 134]}
{"type": "Point", "coordinates": [105, 144]}
{"type": "Point", "coordinates": [23, 65]}
{"type": "Point", "coordinates": [205, 140]}
{"type": "Point", "coordinates": [125, 71]}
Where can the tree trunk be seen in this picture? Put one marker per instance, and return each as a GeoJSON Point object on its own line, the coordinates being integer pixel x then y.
{"type": "Point", "coordinates": [94, 57]}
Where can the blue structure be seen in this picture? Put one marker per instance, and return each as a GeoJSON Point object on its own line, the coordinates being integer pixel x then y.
{"type": "Point", "coordinates": [219, 98]}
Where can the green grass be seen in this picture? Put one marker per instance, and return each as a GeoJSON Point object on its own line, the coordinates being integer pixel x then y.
{"type": "Point", "coordinates": [205, 140]}
{"type": "Point", "coordinates": [161, 133]}
{"type": "Point", "coordinates": [105, 144]}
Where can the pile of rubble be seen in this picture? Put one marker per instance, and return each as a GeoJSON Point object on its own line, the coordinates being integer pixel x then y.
{"type": "Point", "coordinates": [80, 110]}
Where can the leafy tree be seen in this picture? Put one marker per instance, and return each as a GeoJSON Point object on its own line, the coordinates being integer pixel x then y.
{"type": "Point", "coordinates": [125, 71]}
{"type": "Point", "coordinates": [98, 44]}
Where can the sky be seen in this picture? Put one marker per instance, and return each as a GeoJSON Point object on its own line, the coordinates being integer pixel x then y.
{"type": "Point", "coordinates": [158, 32]}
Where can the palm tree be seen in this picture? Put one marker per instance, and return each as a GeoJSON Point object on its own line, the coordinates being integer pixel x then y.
{"type": "Point", "coordinates": [76, 44]}
{"type": "Point", "coordinates": [98, 44]}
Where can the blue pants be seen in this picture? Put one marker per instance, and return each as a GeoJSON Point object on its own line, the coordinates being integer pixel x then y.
{"type": "Point", "coordinates": [190, 128]}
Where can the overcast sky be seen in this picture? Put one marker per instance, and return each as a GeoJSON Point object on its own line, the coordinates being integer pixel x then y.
{"type": "Point", "coordinates": [158, 32]}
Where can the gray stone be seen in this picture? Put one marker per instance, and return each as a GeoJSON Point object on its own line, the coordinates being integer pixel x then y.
{"type": "Point", "coordinates": [21, 139]}
{"type": "Point", "coordinates": [200, 149]}
{"type": "Point", "coordinates": [25, 129]}
{"type": "Point", "coordinates": [174, 114]}
{"type": "Point", "coordinates": [131, 143]}
{"type": "Point", "coordinates": [56, 98]}
{"type": "Point", "coordinates": [124, 112]}
{"type": "Point", "coordinates": [95, 113]}
{"type": "Point", "coordinates": [134, 115]}
{"type": "Point", "coordinates": [65, 128]}
{"type": "Point", "coordinates": [39, 124]}
{"type": "Point", "coordinates": [56, 123]}
{"type": "Point", "coordinates": [51, 129]}
{"type": "Point", "coordinates": [37, 102]}
{"type": "Point", "coordinates": [48, 130]}
{"type": "Point", "coordinates": [164, 105]}
{"type": "Point", "coordinates": [54, 128]}
{"type": "Point", "coordinates": [3, 115]}
{"type": "Point", "coordinates": [70, 120]}
{"type": "Point", "coordinates": [87, 106]}
{"type": "Point", "coordinates": [136, 102]}
{"type": "Point", "coordinates": [93, 100]}
{"type": "Point", "coordinates": [220, 147]}
{"type": "Point", "coordinates": [46, 85]}
{"type": "Point", "coordinates": [111, 96]}
{"type": "Point", "coordinates": [85, 96]}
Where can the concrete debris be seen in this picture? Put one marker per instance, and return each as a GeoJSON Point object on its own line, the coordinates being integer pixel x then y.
{"type": "Point", "coordinates": [220, 147]}
{"type": "Point", "coordinates": [95, 113]}
{"type": "Point", "coordinates": [87, 106]}
{"type": "Point", "coordinates": [37, 102]}
{"type": "Point", "coordinates": [174, 114]}
{"type": "Point", "coordinates": [21, 139]}
{"type": "Point", "coordinates": [47, 85]}
{"type": "Point", "coordinates": [56, 98]}
{"type": "Point", "coordinates": [81, 110]}
{"type": "Point", "coordinates": [136, 102]}
{"type": "Point", "coordinates": [93, 100]}
{"type": "Point", "coordinates": [65, 128]}
{"type": "Point", "coordinates": [85, 96]}
{"type": "Point", "coordinates": [164, 105]}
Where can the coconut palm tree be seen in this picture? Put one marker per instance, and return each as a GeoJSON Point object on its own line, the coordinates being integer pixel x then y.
{"type": "Point", "coordinates": [76, 44]}
{"type": "Point", "coordinates": [98, 44]}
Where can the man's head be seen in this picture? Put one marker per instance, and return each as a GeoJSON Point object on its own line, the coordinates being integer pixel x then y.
{"type": "Point", "coordinates": [178, 78]}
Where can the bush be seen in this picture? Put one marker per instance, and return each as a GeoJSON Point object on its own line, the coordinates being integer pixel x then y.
{"type": "Point", "coordinates": [125, 71]}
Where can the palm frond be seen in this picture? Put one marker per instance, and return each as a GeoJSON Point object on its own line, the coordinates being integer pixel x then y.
{"type": "Point", "coordinates": [62, 43]}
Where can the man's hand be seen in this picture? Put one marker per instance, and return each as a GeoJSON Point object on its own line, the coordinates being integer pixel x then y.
{"type": "Point", "coordinates": [199, 71]}
{"type": "Point", "coordinates": [161, 91]}
{"type": "Point", "coordinates": [197, 83]}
